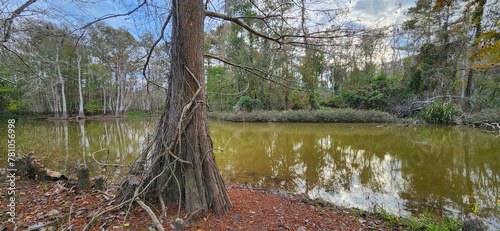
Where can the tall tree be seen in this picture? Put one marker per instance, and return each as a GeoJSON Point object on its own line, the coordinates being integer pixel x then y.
{"type": "Point", "coordinates": [183, 163]}
{"type": "Point", "coordinates": [79, 55]}
{"type": "Point", "coordinates": [476, 19]}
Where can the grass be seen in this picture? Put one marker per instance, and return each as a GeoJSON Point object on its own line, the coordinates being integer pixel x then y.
{"type": "Point", "coordinates": [318, 116]}
{"type": "Point", "coordinates": [425, 221]}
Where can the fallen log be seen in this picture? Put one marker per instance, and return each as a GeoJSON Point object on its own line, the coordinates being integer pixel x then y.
{"type": "Point", "coordinates": [27, 166]}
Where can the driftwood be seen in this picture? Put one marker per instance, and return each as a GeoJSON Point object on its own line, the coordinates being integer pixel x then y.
{"type": "Point", "coordinates": [27, 166]}
{"type": "Point", "coordinates": [417, 105]}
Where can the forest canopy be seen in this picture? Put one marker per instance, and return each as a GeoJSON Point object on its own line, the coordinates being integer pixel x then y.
{"type": "Point", "coordinates": [59, 63]}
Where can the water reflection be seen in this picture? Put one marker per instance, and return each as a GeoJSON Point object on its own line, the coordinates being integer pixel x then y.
{"type": "Point", "coordinates": [403, 169]}
{"type": "Point", "coordinates": [65, 144]}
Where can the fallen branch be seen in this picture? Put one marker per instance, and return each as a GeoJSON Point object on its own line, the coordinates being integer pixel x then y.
{"type": "Point", "coordinates": [98, 214]}
{"type": "Point", "coordinates": [151, 214]}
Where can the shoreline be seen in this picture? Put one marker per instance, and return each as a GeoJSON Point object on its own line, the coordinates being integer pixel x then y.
{"type": "Point", "coordinates": [303, 116]}
{"type": "Point", "coordinates": [487, 118]}
{"type": "Point", "coordinates": [52, 206]}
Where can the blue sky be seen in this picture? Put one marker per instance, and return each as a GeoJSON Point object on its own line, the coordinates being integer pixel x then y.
{"type": "Point", "coordinates": [365, 12]}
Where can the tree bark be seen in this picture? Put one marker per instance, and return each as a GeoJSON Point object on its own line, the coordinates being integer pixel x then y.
{"type": "Point", "coordinates": [183, 167]}
{"type": "Point", "coordinates": [118, 99]}
{"type": "Point", "coordinates": [54, 105]}
{"type": "Point", "coordinates": [103, 100]}
{"type": "Point", "coordinates": [81, 114]}
{"type": "Point", "coordinates": [477, 18]}
{"type": "Point", "coordinates": [63, 94]}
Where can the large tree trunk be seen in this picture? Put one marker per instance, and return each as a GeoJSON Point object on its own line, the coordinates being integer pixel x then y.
{"type": "Point", "coordinates": [182, 161]}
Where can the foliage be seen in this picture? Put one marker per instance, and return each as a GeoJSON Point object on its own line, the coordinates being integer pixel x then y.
{"type": "Point", "coordinates": [487, 116]}
{"type": "Point", "coordinates": [317, 116]}
{"type": "Point", "coordinates": [445, 51]}
{"type": "Point", "coordinates": [364, 99]}
{"type": "Point", "coordinates": [248, 104]}
{"type": "Point", "coordinates": [425, 221]}
{"type": "Point", "coordinates": [439, 113]}
{"type": "Point", "coordinates": [92, 108]}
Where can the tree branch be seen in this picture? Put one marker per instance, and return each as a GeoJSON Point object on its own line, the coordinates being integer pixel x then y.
{"type": "Point", "coordinates": [105, 17]}
{"type": "Point", "coordinates": [8, 22]}
{"type": "Point", "coordinates": [151, 52]}
{"type": "Point", "coordinates": [259, 73]}
{"type": "Point", "coordinates": [151, 214]}
{"type": "Point", "coordinates": [20, 58]}
{"type": "Point", "coordinates": [238, 22]}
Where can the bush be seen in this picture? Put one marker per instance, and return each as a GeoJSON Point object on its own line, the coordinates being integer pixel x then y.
{"type": "Point", "coordinates": [439, 113]}
{"type": "Point", "coordinates": [248, 104]}
{"type": "Point", "coordinates": [318, 116]}
{"type": "Point", "coordinates": [364, 99]}
{"type": "Point", "coordinates": [92, 108]}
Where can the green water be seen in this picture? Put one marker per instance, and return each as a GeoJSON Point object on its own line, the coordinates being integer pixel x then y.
{"type": "Point", "coordinates": [403, 169]}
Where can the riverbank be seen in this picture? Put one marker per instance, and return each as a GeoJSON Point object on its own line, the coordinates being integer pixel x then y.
{"type": "Point", "coordinates": [51, 206]}
{"type": "Point", "coordinates": [317, 116]}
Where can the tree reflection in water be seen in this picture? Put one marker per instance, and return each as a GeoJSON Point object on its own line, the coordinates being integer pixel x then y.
{"type": "Point", "coordinates": [402, 169]}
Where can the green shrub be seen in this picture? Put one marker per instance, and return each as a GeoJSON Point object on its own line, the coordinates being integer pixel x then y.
{"type": "Point", "coordinates": [91, 108]}
{"type": "Point", "coordinates": [334, 102]}
{"type": "Point", "coordinates": [439, 113]}
{"type": "Point", "coordinates": [364, 99]}
{"type": "Point", "coordinates": [317, 116]}
{"type": "Point", "coordinates": [248, 104]}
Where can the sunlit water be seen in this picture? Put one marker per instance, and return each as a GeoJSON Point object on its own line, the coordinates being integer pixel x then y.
{"type": "Point", "coordinates": [401, 169]}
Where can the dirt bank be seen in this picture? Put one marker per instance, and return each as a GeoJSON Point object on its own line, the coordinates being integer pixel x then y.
{"type": "Point", "coordinates": [51, 206]}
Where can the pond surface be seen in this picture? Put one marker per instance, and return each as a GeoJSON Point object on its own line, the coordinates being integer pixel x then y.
{"type": "Point", "coordinates": [401, 169]}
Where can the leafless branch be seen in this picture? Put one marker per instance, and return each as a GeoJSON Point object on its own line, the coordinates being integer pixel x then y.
{"type": "Point", "coordinates": [6, 80]}
{"type": "Point", "coordinates": [259, 73]}
{"type": "Point", "coordinates": [281, 39]}
{"type": "Point", "coordinates": [20, 58]}
{"type": "Point", "coordinates": [151, 52]}
{"type": "Point", "coordinates": [8, 22]}
{"type": "Point", "coordinates": [237, 93]}
{"type": "Point", "coordinates": [105, 17]}
{"type": "Point", "coordinates": [238, 22]}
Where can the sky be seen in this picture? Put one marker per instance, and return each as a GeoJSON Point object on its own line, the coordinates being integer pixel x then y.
{"type": "Point", "coordinates": [384, 12]}
{"type": "Point", "coordinates": [365, 12]}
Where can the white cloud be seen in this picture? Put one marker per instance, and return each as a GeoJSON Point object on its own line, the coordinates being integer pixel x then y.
{"type": "Point", "coordinates": [380, 12]}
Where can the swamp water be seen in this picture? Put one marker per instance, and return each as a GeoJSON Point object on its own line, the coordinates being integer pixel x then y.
{"type": "Point", "coordinates": [400, 169]}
